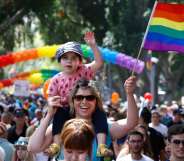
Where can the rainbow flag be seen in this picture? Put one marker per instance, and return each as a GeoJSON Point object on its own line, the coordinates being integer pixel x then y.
{"type": "Point", "coordinates": [166, 29]}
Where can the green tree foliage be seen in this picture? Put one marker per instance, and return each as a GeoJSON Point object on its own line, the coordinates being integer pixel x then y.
{"type": "Point", "coordinates": [118, 24]}
{"type": "Point", "coordinates": [16, 19]}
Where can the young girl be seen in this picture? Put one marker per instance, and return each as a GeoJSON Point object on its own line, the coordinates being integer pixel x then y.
{"type": "Point", "coordinates": [77, 138]}
{"type": "Point", "coordinates": [69, 55]}
{"type": "Point", "coordinates": [21, 152]}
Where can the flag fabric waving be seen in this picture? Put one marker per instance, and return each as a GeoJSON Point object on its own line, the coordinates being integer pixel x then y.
{"type": "Point", "coordinates": [166, 28]}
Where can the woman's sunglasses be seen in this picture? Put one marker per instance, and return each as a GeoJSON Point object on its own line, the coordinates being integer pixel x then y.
{"type": "Point", "coordinates": [81, 97]}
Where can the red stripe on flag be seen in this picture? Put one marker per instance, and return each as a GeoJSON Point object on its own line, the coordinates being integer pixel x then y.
{"type": "Point", "coordinates": [169, 7]}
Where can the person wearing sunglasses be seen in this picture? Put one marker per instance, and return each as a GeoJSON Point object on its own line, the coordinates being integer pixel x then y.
{"type": "Point", "coordinates": [21, 153]}
{"type": "Point", "coordinates": [176, 142]}
{"type": "Point", "coordinates": [84, 99]}
{"type": "Point", "coordinates": [70, 57]}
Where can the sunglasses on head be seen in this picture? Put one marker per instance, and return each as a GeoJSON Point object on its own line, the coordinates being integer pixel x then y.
{"type": "Point", "coordinates": [178, 142]}
{"type": "Point", "coordinates": [81, 97]}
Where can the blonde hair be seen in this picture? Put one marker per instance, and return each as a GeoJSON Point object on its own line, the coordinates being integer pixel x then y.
{"type": "Point", "coordinates": [77, 134]}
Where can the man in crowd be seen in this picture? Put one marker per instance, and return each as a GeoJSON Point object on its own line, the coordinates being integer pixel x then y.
{"type": "Point", "coordinates": [176, 142]}
{"type": "Point", "coordinates": [19, 128]}
{"type": "Point", "coordinates": [135, 144]}
{"type": "Point", "coordinates": [156, 138]}
{"type": "Point", "coordinates": [156, 124]}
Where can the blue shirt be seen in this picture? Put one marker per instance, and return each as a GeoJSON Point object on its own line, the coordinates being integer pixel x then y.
{"type": "Point", "coordinates": [8, 148]}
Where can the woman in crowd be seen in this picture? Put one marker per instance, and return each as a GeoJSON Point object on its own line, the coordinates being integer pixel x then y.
{"type": "Point", "coordinates": [84, 99]}
{"type": "Point", "coordinates": [147, 149]}
{"type": "Point", "coordinates": [21, 153]}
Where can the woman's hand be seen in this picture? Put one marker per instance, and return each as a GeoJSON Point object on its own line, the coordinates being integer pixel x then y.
{"type": "Point", "coordinates": [90, 38]}
{"type": "Point", "coordinates": [130, 85]}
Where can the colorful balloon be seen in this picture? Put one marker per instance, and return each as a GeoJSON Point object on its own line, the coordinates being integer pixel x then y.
{"type": "Point", "coordinates": [45, 88]}
{"type": "Point", "coordinates": [36, 77]}
{"type": "Point", "coordinates": [108, 55]}
{"type": "Point", "coordinates": [115, 98]}
{"type": "Point", "coordinates": [148, 96]}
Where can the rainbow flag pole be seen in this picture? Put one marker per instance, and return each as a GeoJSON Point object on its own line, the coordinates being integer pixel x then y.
{"type": "Point", "coordinates": [146, 32]}
{"type": "Point", "coordinates": [166, 29]}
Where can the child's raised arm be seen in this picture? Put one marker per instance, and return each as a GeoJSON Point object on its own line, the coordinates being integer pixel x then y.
{"type": "Point", "coordinates": [98, 61]}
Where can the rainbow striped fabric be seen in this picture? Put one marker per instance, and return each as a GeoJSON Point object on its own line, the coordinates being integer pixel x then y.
{"type": "Point", "coordinates": [166, 29]}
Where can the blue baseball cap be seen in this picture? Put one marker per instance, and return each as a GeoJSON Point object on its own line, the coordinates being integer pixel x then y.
{"type": "Point", "coordinates": [68, 47]}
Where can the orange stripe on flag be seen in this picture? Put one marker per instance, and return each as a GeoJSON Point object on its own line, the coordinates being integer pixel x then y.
{"type": "Point", "coordinates": [169, 16]}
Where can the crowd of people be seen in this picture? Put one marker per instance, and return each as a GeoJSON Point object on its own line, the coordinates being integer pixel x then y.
{"type": "Point", "coordinates": [74, 124]}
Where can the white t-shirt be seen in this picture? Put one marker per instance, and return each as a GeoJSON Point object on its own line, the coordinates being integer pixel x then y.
{"type": "Point", "coordinates": [129, 158]}
{"type": "Point", "coordinates": [40, 157]}
{"type": "Point", "coordinates": [160, 128]}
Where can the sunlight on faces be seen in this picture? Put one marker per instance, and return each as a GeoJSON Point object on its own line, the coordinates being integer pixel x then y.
{"type": "Point", "coordinates": [76, 137]}
{"type": "Point", "coordinates": [135, 143]}
{"type": "Point", "coordinates": [75, 155]}
{"type": "Point", "coordinates": [177, 146]}
{"type": "Point", "coordinates": [142, 131]}
{"type": "Point", "coordinates": [84, 108]}
{"type": "Point", "coordinates": [155, 118]}
{"type": "Point", "coordinates": [22, 152]}
{"type": "Point", "coordinates": [70, 62]}
{"type": "Point", "coordinates": [20, 120]}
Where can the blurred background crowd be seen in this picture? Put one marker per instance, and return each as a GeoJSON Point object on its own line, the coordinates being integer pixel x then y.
{"type": "Point", "coordinates": [21, 115]}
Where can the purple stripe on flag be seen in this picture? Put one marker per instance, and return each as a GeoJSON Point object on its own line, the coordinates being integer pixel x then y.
{"type": "Point", "coordinates": [159, 46]}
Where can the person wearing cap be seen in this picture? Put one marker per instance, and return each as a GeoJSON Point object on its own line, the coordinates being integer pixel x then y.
{"type": "Point", "coordinates": [20, 126]}
{"type": "Point", "coordinates": [38, 116]}
{"type": "Point", "coordinates": [156, 124]}
{"type": "Point", "coordinates": [83, 109]}
{"type": "Point", "coordinates": [177, 116]}
{"type": "Point", "coordinates": [69, 55]}
{"type": "Point", "coordinates": [21, 153]}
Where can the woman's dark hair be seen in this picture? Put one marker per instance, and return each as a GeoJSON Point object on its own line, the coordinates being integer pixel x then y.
{"type": "Point", "coordinates": [147, 149]}
{"type": "Point", "coordinates": [146, 115]}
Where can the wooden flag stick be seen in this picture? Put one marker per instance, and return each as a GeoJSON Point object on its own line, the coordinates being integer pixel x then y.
{"type": "Point", "coordinates": [144, 38]}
